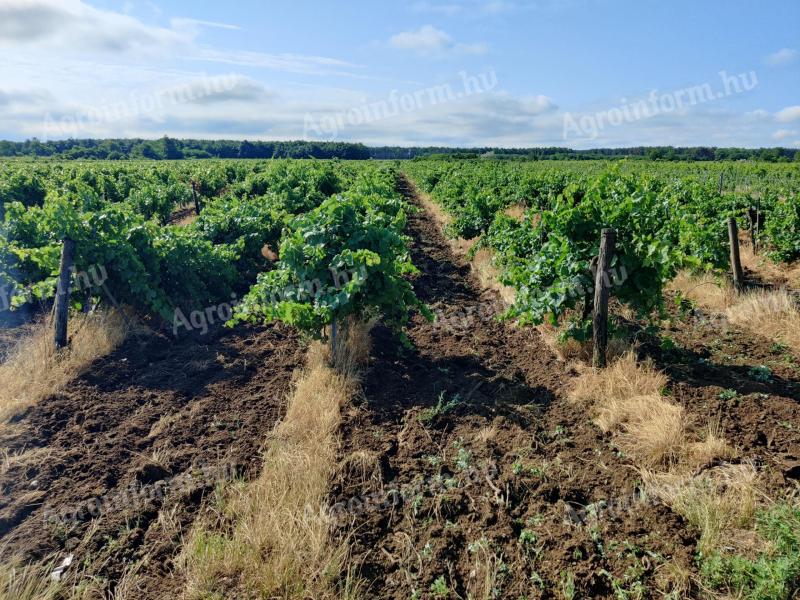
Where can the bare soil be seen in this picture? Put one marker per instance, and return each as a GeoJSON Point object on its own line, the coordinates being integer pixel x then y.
{"type": "Point", "coordinates": [167, 419]}
{"type": "Point", "coordinates": [514, 475]}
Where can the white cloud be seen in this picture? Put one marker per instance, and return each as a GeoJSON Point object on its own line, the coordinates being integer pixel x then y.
{"type": "Point", "coordinates": [24, 97]}
{"type": "Point", "coordinates": [429, 41]}
{"type": "Point", "coordinates": [69, 27]}
{"type": "Point", "coordinates": [483, 8]}
{"type": "Point", "coordinates": [74, 25]}
{"type": "Point", "coordinates": [782, 134]}
{"type": "Point", "coordinates": [790, 113]}
{"type": "Point", "coordinates": [784, 56]}
{"type": "Point", "coordinates": [449, 10]}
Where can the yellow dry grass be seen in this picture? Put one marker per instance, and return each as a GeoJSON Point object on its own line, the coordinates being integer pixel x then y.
{"type": "Point", "coordinates": [273, 539]}
{"type": "Point", "coordinates": [653, 431]}
{"type": "Point", "coordinates": [707, 291]}
{"type": "Point", "coordinates": [516, 211]}
{"type": "Point", "coordinates": [622, 379]}
{"type": "Point", "coordinates": [489, 275]}
{"type": "Point", "coordinates": [27, 582]}
{"type": "Point", "coordinates": [717, 503]}
{"type": "Point", "coordinates": [34, 370]}
{"type": "Point", "coordinates": [772, 314]}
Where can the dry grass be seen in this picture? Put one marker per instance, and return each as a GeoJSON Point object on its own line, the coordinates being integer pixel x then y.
{"type": "Point", "coordinates": [516, 211]}
{"type": "Point", "coordinates": [772, 314]}
{"type": "Point", "coordinates": [27, 582]}
{"type": "Point", "coordinates": [706, 291]}
{"type": "Point", "coordinates": [767, 270]}
{"type": "Point", "coordinates": [34, 370]}
{"type": "Point", "coordinates": [717, 503]}
{"type": "Point", "coordinates": [622, 379]}
{"type": "Point", "coordinates": [488, 275]}
{"type": "Point", "coordinates": [713, 447]}
{"type": "Point", "coordinates": [278, 542]}
{"type": "Point", "coordinates": [653, 430]}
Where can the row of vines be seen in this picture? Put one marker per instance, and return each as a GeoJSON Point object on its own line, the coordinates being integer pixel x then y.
{"type": "Point", "coordinates": [667, 217]}
{"type": "Point", "coordinates": [315, 240]}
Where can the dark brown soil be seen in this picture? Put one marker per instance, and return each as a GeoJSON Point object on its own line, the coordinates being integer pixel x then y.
{"type": "Point", "coordinates": [165, 418]}
{"type": "Point", "coordinates": [512, 471]}
{"type": "Point", "coordinates": [747, 384]}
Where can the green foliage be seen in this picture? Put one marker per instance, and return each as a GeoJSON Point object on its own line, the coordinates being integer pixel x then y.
{"type": "Point", "coordinates": [346, 257]}
{"type": "Point", "coordinates": [774, 574]}
{"type": "Point", "coordinates": [782, 229]}
{"type": "Point", "coordinates": [667, 217]}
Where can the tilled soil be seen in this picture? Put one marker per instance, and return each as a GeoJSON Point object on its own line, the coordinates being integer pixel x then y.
{"type": "Point", "coordinates": [506, 490]}
{"type": "Point", "coordinates": [113, 470]}
{"type": "Point", "coordinates": [745, 385]}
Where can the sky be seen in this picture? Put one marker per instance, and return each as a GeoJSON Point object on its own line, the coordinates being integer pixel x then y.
{"type": "Point", "coordinates": [509, 73]}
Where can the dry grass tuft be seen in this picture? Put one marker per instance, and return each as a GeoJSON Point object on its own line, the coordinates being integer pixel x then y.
{"type": "Point", "coordinates": [621, 380]}
{"type": "Point", "coordinates": [706, 291]}
{"type": "Point", "coordinates": [712, 448]}
{"type": "Point", "coordinates": [516, 211]}
{"type": "Point", "coordinates": [489, 276]}
{"type": "Point", "coordinates": [717, 503]}
{"type": "Point", "coordinates": [653, 430]}
{"type": "Point", "coordinates": [772, 314]}
{"type": "Point", "coordinates": [33, 370]}
{"type": "Point", "coordinates": [279, 543]}
{"type": "Point", "coordinates": [27, 582]}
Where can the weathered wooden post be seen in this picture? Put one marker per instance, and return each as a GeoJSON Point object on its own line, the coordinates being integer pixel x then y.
{"type": "Point", "coordinates": [736, 262]}
{"type": "Point", "coordinates": [62, 292]}
{"type": "Point", "coordinates": [602, 285]}
{"type": "Point", "coordinates": [194, 197]}
{"type": "Point", "coordinates": [721, 179]}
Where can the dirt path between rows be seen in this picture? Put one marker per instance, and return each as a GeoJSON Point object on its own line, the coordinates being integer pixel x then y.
{"type": "Point", "coordinates": [128, 453]}
{"type": "Point", "coordinates": [487, 496]}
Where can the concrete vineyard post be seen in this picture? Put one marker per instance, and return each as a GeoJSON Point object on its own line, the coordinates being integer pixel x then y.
{"type": "Point", "coordinates": [736, 263]}
{"type": "Point", "coordinates": [602, 285]}
{"type": "Point", "coordinates": [62, 292]}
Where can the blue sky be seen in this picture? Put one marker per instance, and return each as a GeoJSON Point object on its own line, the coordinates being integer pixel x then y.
{"type": "Point", "coordinates": [577, 73]}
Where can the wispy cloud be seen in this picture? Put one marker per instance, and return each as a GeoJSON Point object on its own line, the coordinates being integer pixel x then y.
{"type": "Point", "coordinates": [788, 114]}
{"type": "Point", "coordinates": [782, 134]}
{"type": "Point", "coordinates": [71, 27]}
{"type": "Point", "coordinates": [483, 8]}
{"type": "Point", "coordinates": [429, 41]}
{"type": "Point", "coordinates": [784, 56]}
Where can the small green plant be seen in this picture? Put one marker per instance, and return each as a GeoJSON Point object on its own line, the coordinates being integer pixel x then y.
{"type": "Point", "coordinates": [761, 373]}
{"type": "Point", "coordinates": [441, 408]}
{"type": "Point", "coordinates": [728, 394]}
{"type": "Point", "coordinates": [527, 538]}
{"type": "Point", "coordinates": [568, 585]}
{"type": "Point", "coordinates": [779, 348]}
{"type": "Point", "coordinates": [463, 459]}
{"type": "Point", "coordinates": [439, 588]}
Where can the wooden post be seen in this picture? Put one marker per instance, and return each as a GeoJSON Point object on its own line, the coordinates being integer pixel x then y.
{"type": "Point", "coordinates": [194, 197]}
{"type": "Point", "coordinates": [62, 292]}
{"type": "Point", "coordinates": [721, 178]}
{"type": "Point", "coordinates": [602, 285]}
{"type": "Point", "coordinates": [736, 263]}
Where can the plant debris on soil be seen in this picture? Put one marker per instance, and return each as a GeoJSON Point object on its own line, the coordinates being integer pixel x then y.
{"type": "Point", "coordinates": [468, 472]}
{"type": "Point", "coordinates": [114, 469]}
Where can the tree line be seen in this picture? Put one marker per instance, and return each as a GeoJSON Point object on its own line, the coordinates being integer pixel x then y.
{"type": "Point", "coordinates": [167, 148]}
